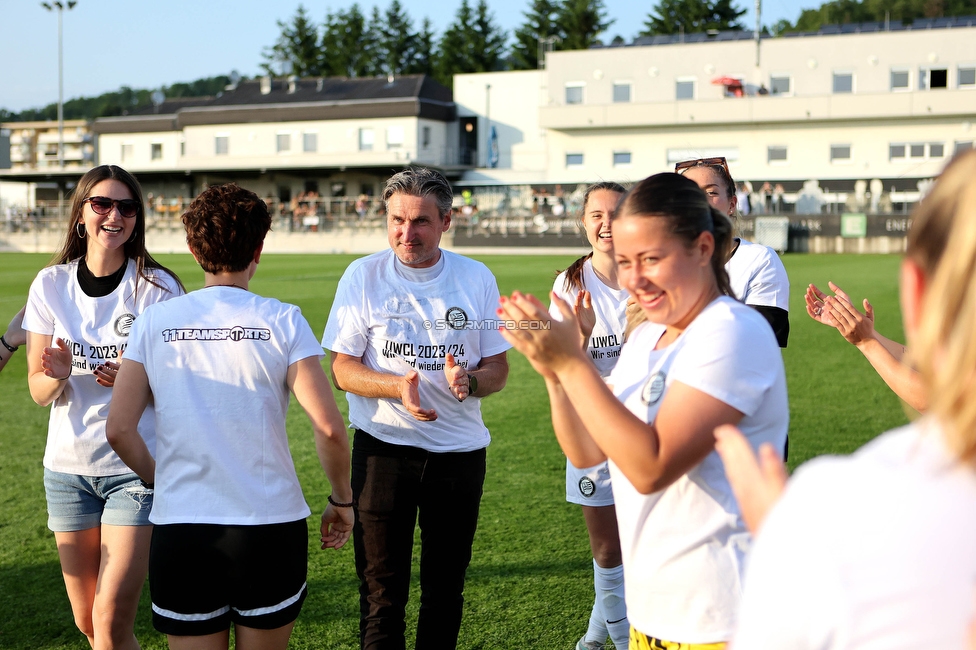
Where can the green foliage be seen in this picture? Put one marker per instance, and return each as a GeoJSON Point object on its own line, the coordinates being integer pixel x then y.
{"type": "Point", "coordinates": [297, 49]}
{"type": "Point", "coordinates": [689, 16]}
{"type": "Point", "coordinates": [540, 23]}
{"type": "Point", "coordinates": [839, 12]}
{"type": "Point", "coordinates": [580, 23]}
{"type": "Point", "coordinates": [346, 50]}
{"type": "Point", "coordinates": [398, 42]}
{"type": "Point", "coordinates": [471, 43]}
{"type": "Point", "coordinates": [118, 102]}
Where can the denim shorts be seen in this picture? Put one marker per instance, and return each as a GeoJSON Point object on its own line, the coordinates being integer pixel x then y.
{"type": "Point", "coordinates": [76, 502]}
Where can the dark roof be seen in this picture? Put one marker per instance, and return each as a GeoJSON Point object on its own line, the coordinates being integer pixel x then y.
{"type": "Point", "coordinates": [850, 28]}
{"type": "Point", "coordinates": [323, 98]}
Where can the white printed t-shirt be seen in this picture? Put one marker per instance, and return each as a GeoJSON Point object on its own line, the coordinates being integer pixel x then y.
{"type": "Point", "coordinates": [96, 330]}
{"type": "Point", "coordinates": [758, 277]}
{"type": "Point", "coordinates": [684, 546]}
{"type": "Point", "coordinates": [875, 550]}
{"type": "Point", "coordinates": [610, 308]}
{"type": "Point", "coordinates": [396, 325]}
{"type": "Point", "coordinates": [217, 361]}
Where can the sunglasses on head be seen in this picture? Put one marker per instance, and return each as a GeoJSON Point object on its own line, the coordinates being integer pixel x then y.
{"type": "Point", "coordinates": [102, 205]}
{"type": "Point", "coordinates": [704, 162]}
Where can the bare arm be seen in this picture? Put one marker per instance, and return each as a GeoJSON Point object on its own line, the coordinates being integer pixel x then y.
{"type": "Point", "coordinates": [651, 456]}
{"type": "Point", "coordinates": [15, 336]}
{"type": "Point", "coordinates": [308, 382]}
{"type": "Point", "coordinates": [572, 435]}
{"type": "Point", "coordinates": [491, 373]}
{"type": "Point", "coordinates": [350, 374]}
{"type": "Point", "coordinates": [48, 367]}
{"type": "Point", "coordinates": [129, 399]}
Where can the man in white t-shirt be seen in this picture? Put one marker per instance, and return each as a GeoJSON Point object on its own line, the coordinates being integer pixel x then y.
{"type": "Point", "coordinates": [415, 345]}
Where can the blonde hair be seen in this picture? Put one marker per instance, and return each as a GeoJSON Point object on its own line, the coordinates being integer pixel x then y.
{"type": "Point", "coordinates": [943, 243]}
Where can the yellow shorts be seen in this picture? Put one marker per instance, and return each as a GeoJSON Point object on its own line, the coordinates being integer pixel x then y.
{"type": "Point", "coordinates": [640, 641]}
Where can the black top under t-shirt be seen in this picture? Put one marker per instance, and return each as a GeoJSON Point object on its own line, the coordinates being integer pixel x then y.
{"type": "Point", "coordinates": [95, 287]}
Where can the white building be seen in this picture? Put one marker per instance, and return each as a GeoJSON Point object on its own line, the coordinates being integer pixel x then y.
{"type": "Point", "coordinates": [849, 104]}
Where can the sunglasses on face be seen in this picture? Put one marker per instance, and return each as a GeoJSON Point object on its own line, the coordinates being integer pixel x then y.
{"type": "Point", "coordinates": [704, 162]}
{"type": "Point", "coordinates": [102, 206]}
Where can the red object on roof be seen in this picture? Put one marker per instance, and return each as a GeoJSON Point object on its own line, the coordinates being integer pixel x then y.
{"type": "Point", "coordinates": [731, 84]}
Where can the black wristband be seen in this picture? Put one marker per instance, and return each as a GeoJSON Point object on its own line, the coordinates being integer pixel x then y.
{"type": "Point", "coordinates": [7, 345]}
{"type": "Point", "coordinates": [341, 505]}
{"type": "Point", "coordinates": [148, 486]}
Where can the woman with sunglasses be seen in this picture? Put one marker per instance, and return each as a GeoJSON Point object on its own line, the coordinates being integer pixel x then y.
{"type": "Point", "coordinates": [79, 313]}
{"type": "Point", "coordinates": [757, 275]}
{"type": "Point", "coordinates": [713, 362]}
{"type": "Point", "coordinates": [590, 284]}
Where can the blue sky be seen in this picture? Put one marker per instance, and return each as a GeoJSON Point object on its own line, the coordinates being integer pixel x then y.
{"type": "Point", "coordinates": [144, 44]}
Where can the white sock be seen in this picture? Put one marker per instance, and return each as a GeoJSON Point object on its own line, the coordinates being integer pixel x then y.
{"type": "Point", "coordinates": [597, 631]}
{"type": "Point", "coordinates": [609, 585]}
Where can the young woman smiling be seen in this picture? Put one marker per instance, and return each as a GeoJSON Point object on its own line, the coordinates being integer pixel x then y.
{"type": "Point", "coordinates": [590, 284]}
{"type": "Point", "coordinates": [78, 317]}
{"type": "Point", "coordinates": [717, 362]}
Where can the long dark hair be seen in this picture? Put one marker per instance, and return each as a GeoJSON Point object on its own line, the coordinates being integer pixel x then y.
{"type": "Point", "coordinates": [574, 274]}
{"type": "Point", "coordinates": [75, 247]}
{"type": "Point", "coordinates": [679, 200]}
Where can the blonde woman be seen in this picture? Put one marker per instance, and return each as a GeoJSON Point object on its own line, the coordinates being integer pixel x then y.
{"type": "Point", "coordinates": [878, 550]}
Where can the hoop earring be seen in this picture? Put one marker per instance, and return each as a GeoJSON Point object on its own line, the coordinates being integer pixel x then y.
{"type": "Point", "coordinates": [80, 229]}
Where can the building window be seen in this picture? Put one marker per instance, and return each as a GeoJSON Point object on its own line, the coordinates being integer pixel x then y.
{"type": "Point", "coordinates": [933, 78]}
{"type": "Point", "coordinates": [366, 139]}
{"type": "Point", "coordinates": [574, 93]}
{"type": "Point", "coordinates": [843, 82]}
{"type": "Point", "coordinates": [684, 89]}
{"type": "Point", "coordinates": [776, 154]}
{"type": "Point", "coordinates": [899, 80]}
{"type": "Point", "coordinates": [283, 142]}
{"type": "Point", "coordinates": [966, 77]}
{"type": "Point", "coordinates": [621, 92]}
{"type": "Point", "coordinates": [896, 151]}
{"type": "Point", "coordinates": [182, 147]}
{"type": "Point", "coordinates": [310, 142]}
{"type": "Point", "coordinates": [126, 152]}
{"type": "Point", "coordinates": [394, 137]}
{"type": "Point", "coordinates": [425, 137]}
{"type": "Point", "coordinates": [620, 158]}
{"type": "Point", "coordinates": [840, 153]}
{"type": "Point", "coordinates": [962, 146]}
{"type": "Point", "coordinates": [156, 151]}
{"type": "Point", "coordinates": [221, 145]}
{"type": "Point", "coordinates": [780, 85]}
{"type": "Point", "coordinates": [936, 150]}
{"type": "Point", "coordinates": [916, 150]}
{"type": "Point", "coordinates": [574, 160]}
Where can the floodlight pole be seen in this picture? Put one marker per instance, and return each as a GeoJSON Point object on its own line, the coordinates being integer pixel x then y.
{"type": "Point", "coordinates": [60, 7]}
{"type": "Point", "coordinates": [758, 28]}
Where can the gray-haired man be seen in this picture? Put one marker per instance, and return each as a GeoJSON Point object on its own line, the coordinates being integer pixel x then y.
{"type": "Point", "coordinates": [415, 348]}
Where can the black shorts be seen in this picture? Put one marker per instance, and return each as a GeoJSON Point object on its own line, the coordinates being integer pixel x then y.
{"type": "Point", "coordinates": [202, 577]}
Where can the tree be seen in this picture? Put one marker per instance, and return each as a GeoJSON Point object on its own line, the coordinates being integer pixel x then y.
{"type": "Point", "coordinates": [297, 49]}
{"type": "Point", "coordinates": [581, 22]}
{"type": "Point", "coordinates": [540, 23]}
{"type": "Point", "coordinates": [688, 16]}
{"type": "Point", "coordinates": [422, 61]}
{"type": "Point", "coordinates": [346, 50]}
{"type": "Point", "coordinates": [397, 40]}
{"type": "Point", "coordinates": [472, 43]}
{"type": "Point", "coordinates": [838, 12]}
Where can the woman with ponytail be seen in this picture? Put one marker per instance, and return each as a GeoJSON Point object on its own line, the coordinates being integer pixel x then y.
{"type": "Point", "coordinates": [590, 285]}
{"type": "Point", "coordinates": [714, 361]}
{"type": "Point", "coordinates": [78, 317]}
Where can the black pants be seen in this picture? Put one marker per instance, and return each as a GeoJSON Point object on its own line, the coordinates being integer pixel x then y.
{"type": "Point", "coordinates": [391, 484]}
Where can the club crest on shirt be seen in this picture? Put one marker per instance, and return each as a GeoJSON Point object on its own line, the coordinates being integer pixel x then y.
{"type": "Point", "coordinates": [123, 324]}
{"type": "Point", "coordinates": [456, 318]}
{"type": "Point", "coordinates": [653, 388]}
{"type": "Point", "coordinates": [586, 486]}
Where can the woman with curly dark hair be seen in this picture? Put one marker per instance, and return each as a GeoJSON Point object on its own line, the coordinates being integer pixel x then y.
{"type": "Point", "coordinates": [230, 543]}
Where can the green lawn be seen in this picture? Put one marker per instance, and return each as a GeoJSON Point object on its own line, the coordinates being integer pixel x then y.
{"type": "Point", "coordinates": [530, 582]}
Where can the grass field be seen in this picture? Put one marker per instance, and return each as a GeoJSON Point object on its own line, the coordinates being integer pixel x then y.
{"type": "Point", "coordinates": [530, 581]}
